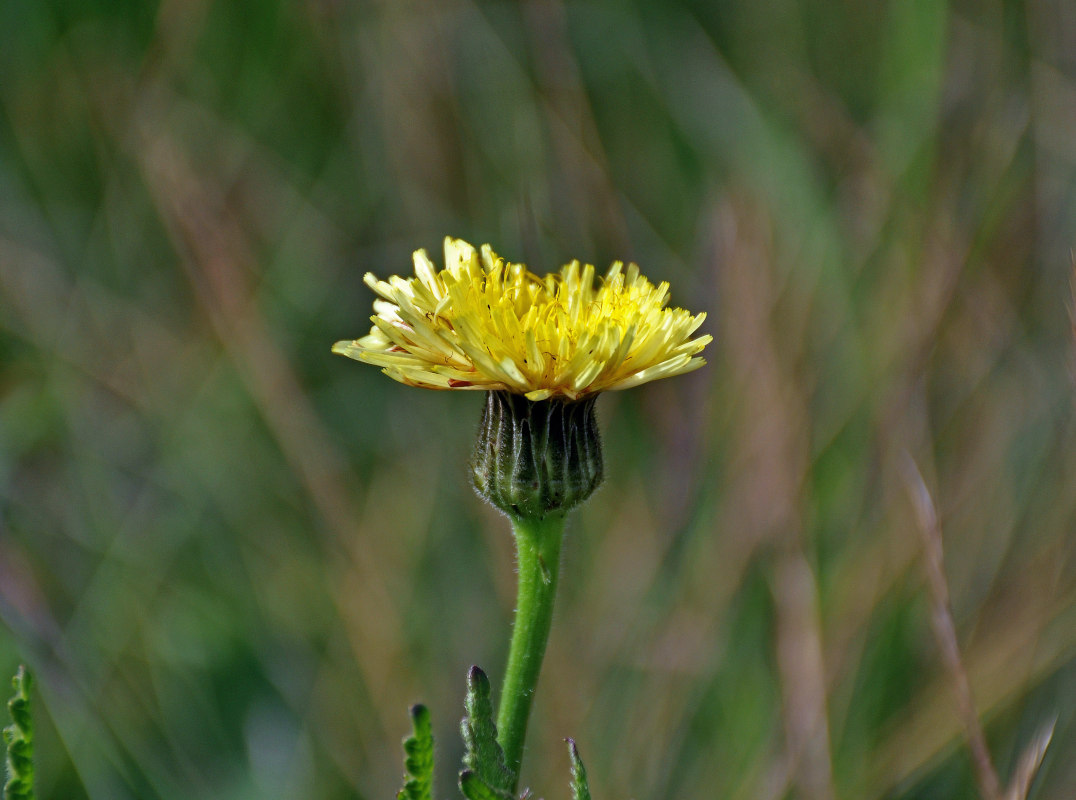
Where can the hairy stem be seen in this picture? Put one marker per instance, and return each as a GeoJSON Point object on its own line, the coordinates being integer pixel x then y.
{"type": "Point", "coordinates": [538, 553]}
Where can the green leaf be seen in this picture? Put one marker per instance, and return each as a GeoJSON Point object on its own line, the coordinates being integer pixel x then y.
{"type": "Point", "coordinates": [484, 756]}
{"type": "Point", "coordinates": [19, 741]}
{"type": "Point", "coordinates": [580, 790]}
{"type": "Point", "coordinates": [418, 761]}
{"type": "Point", "coordinates": [474, 788]}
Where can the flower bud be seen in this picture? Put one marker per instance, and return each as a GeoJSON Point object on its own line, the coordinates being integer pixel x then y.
{"type": "Point", "coordinates": [535, 458]}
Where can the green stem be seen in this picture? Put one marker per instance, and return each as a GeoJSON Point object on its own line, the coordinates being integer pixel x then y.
{"type": "Point", "coordinates": [538, 554]}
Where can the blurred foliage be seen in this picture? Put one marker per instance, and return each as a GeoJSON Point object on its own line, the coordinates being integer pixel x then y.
{"type": "Point", "coordinates": [222, 548]}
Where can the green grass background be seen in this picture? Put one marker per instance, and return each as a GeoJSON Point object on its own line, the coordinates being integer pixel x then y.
{"type": "Point", "coordinates": [233, 559]}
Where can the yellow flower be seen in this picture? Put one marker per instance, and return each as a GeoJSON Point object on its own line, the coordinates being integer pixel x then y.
{"type": "Point", "coordinates": [484, 323]}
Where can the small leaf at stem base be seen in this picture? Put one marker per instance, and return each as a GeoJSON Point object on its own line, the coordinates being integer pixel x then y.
{"type": "Point", "coordinates": [418, 748]}
{"type": "Point", "coordinates": [19, 741]}
{"type": "Point", "coordinates": [580, 789]}
{"type": "Point", "coordinates": [484, 756]}
{"type": "Point", "coordinates": [474, 788]}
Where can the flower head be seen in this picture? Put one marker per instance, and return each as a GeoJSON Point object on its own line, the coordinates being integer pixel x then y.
{"type": "Point", "coordinates": [485, 323]}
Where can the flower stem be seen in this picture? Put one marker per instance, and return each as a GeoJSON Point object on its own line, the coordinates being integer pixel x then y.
{"type": "Point", "coordinates": [538, 553]}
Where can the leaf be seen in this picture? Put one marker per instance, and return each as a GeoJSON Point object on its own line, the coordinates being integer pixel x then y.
{"type": "Point", "coordinates": [580, 789]}
{"type": "Point", "coordinates": [484, 756]}
{"type": "Point", "coordinates": [19, 741]}
{"type": "Point", "coordinates": [474, 788]}
{"type": "Point", "coordinates": [418, 761]}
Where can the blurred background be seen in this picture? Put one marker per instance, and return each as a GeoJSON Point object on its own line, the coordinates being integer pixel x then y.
{"type": "Point", "coordinates": [233, 559]}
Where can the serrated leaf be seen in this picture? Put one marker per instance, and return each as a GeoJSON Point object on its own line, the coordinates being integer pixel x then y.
{"type": "Point", "coordinates": [483, 756]}
{"type": "Point", "coordinates": [418, 760]}
{"type": "Point", "coordinates": [474, 788]}
{"type": "Point", "coordinates": [580, 789]}
{"type": "Point", "coordinates": [19, 741]}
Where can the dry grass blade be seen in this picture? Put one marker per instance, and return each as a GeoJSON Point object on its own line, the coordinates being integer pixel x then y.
{"type": "Point", "coordinates": [941, 619]}
{"type": "Point", "coordinates": [1030, 762]}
